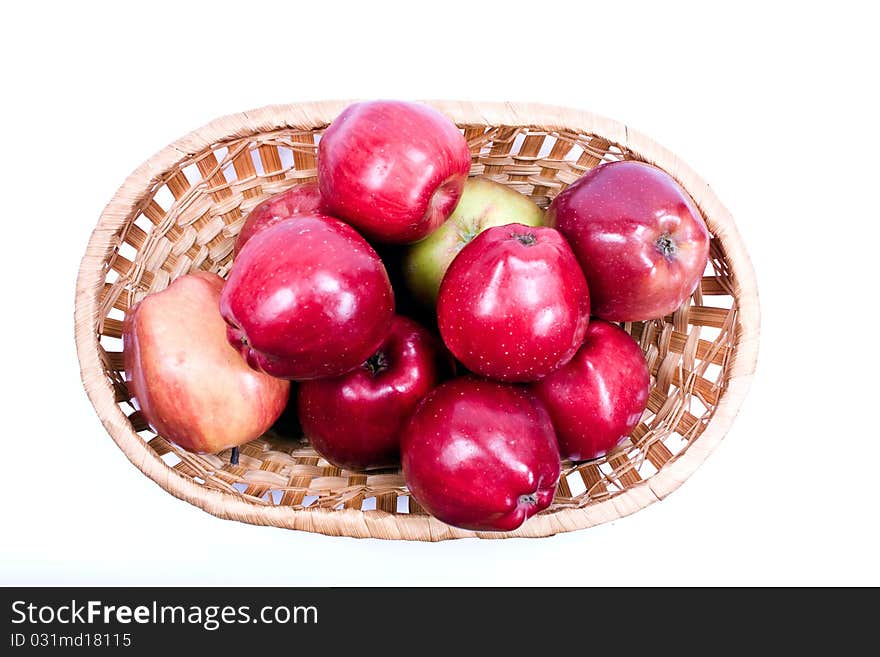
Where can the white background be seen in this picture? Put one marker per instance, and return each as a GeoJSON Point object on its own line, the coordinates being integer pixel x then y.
{"type": "Point", "coordinates": [772, 103]}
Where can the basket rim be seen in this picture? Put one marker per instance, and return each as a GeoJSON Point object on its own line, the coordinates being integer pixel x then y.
{"type": "Point", "coordinates": [376, 523]}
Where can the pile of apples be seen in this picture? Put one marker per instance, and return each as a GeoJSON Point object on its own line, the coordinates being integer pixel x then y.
{"type": "Point", "coordinates": [516, 362]}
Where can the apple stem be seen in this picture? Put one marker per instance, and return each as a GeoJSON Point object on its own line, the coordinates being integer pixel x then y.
{"type": "Point", "coordinates": [528, 500]}
{"type": "Point", "coordinates": [233, 457]}
{"type": "Point", "coordinates": [666, 245]}
{"type": "Point", "coordinates": [376, 363]}
{"type": "Point", "coordinates": [526, 239]}
{"type": "Point", "coordinates": [466, 234]}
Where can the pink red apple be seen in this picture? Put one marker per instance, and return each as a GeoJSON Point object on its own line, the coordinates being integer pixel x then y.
{"type": "Point", "coordinates": [394, 170]}
{"type": "Point", "coordinates": [483, 204]}
{"type": "Point", "coordinates": [638, 236]}
{"type": "Point", "coordinates": [307, 298]}
{"type": "Point", "coordinates": [300, 199]}
{"type": "Point", "coordinates": [354, 421]}
{"type": "Point", "coordinates": [514, 304]}
{"type": "Point", "coordinates": [189, 384]}
{"type": "Point", "coordinates": [597, 398]}
{"type": "Point", "coordinates": [480, 455]}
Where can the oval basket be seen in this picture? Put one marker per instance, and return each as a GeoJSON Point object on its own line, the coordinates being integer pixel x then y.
{"type": "Point", "coordinates": [181, 211]}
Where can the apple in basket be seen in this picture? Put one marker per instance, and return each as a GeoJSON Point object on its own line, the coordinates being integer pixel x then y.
{"type": "Point", "coordinates": [483, 204]}
{"type": "Point", "coordinates": [514, 304]}
{"type": "Point", "coordinates": [394, 170]}
{"type": "Point", "coordinates": [188, 382]}
{"type": "Point", "coordinates": [307, 298]}
{"type": "Point", "coordinates": [597, 398]}
{"type": "Point", "coordinates": [354, 421]}
{"type": "Point", "coordinates": [299, 199]}
{"type": "Point", "coordinates": [638, 236]}
{"type": "Point", "coordinates": [480, 454]}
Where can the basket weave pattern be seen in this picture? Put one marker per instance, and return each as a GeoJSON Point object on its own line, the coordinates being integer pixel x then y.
{"type": "Point", "coordinates": [181, 211]}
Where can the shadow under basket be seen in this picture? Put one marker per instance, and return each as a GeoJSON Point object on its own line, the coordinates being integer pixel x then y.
{"type": "Point", "coordinates": [181, 211]}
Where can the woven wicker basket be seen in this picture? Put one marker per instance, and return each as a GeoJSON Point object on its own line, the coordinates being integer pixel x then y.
{"type": "Point", "coordinates": [181, 211]}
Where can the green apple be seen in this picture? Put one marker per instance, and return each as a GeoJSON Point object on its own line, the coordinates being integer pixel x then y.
{"type": "Point", "coordinates": [483, 204]}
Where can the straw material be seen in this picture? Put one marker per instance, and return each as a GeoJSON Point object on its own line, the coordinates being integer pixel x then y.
{"type": "Point", "coordinates": [182, 210]}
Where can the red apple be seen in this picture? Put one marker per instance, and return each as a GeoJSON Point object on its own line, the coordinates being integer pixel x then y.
{"type": "Point", "coordinates": [300, 199]}
{"type": "Point", "coordinates": [393, 170]}
{"type": "Point", "coordinates": [638, 236]}
{"type": "Point", "coordinates": [597, 398]}
{"type": "Point", "coordinates": [514, 304]}
{"type": "Point", "coordinates": [354, 421]}
{"type": "Point", "coordinates": [480, 455]}
{"type": "Point", "coordinates": [189, 384]}
{"type": "Point", "coordinates": [307, 298]}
